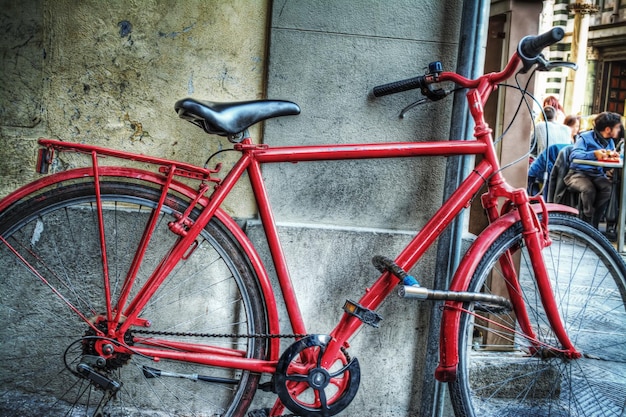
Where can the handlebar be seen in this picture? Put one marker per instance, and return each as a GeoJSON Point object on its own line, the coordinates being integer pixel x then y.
{"type": "Point", "coordinates": [528, 53]}
{"type": "Point", "coordinates": [398, 86]}
{"type": "Point", "coordinates": [530, 47]}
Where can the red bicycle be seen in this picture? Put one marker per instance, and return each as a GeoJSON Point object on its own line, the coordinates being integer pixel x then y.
{"type": "Point", "coordinates": [128, 291]}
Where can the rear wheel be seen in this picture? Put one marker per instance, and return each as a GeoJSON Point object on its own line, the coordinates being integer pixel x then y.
{"type": "Point", "coordinates": [502, 374]}
{"type": "Point", "coordinates": [50, 359]}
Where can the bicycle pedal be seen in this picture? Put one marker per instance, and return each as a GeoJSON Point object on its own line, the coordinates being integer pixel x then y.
{"type": "Point", "coordinates": [364, 314]}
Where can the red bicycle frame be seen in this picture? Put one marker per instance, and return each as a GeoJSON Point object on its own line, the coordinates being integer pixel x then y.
{"type": "Point", "coordinates": [252, 157]}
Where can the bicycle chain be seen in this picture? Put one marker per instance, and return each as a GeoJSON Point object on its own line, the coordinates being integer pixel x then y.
{"type": "Point", "coordinates": [229, 335]}
{"type": "Point", "coordinates": [234, 335]}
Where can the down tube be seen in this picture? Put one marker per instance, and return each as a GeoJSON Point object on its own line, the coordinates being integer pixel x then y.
{"type": "Point", "coordinates": [407, 259]}
{"type": "Point", "coordinates": [459, 200]}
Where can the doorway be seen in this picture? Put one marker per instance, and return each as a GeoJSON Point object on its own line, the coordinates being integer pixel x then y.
{"type": "Point", "coordinates": [614, 87]}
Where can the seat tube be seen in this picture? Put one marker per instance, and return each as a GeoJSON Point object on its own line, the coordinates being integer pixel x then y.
{"type": "Point", "coordinates": [276, 250]}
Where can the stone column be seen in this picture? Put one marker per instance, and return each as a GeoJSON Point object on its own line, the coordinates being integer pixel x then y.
{"type": "Point", "coordinates": [576, 80]}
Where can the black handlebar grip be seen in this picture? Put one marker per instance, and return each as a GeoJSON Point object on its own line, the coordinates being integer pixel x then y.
{"type": "Point", "coordinates": [398, 86]}
{"type": "Point", "coordinates": [531, 46]}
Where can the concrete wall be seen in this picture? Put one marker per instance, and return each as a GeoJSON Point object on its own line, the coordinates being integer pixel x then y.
{"type": "Point", "coordinates": [109, 73]}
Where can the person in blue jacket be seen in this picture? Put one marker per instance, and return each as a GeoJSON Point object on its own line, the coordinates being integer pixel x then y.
{"type": "Point", "coordinates": [591, 182]}
{"type": "Point", "coordinates": [539, 171]}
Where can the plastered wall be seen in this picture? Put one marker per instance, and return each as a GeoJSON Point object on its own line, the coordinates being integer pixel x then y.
{"type": "Point", "coordinates": [109, 73]}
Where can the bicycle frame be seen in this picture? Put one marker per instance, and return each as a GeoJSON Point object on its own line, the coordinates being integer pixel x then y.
{"type": "Point", "coordinates": [252, 157]}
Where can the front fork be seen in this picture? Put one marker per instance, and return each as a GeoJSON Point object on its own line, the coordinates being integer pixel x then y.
{"type": "Point", "coordinates": [536, 237]}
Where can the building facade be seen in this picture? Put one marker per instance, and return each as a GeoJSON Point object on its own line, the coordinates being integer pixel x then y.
{"type": "Point", "coordinates": [596, 41]}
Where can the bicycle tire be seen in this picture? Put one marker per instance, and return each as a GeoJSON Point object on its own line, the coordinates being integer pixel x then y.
{"type": "Point", "coordinates": [214, 291]}
{"type": "Point", "coordinates": [506, 379]}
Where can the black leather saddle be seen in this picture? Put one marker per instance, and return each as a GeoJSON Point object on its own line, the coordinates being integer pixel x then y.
{"type": "Point", "coordinates": [230, 119]}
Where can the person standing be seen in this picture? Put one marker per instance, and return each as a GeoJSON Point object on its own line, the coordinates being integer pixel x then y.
{"type": "Point", "coordinates": [591, 182]}
{"type": "Point", "coordinates": [554, 102]}
{"type": "Point", "coordinates": [550, 132]}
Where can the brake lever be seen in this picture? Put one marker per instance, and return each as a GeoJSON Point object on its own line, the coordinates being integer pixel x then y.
{"type": "Point", "coordinates": [412, 105]}
{"type": "Point", "coordinates": [545, 65]}
{"type": "Point", "coordinates": [430, 93]}
{"type": "Point", "coordinates": [434, 95]}
{"type": "Point", "coordinates": [571, 65]}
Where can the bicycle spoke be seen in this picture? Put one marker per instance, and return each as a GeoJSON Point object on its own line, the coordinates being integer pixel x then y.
{"type": "Point", "coordinates": [589, 283]}
{"type": "Point", "coordinates": [205, 304]}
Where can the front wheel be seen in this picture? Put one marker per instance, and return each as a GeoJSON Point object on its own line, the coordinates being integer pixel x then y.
{"type": "Point", "coordinates": [503, 373]}
{"type": "Point", "coordinates": [52, 301]}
